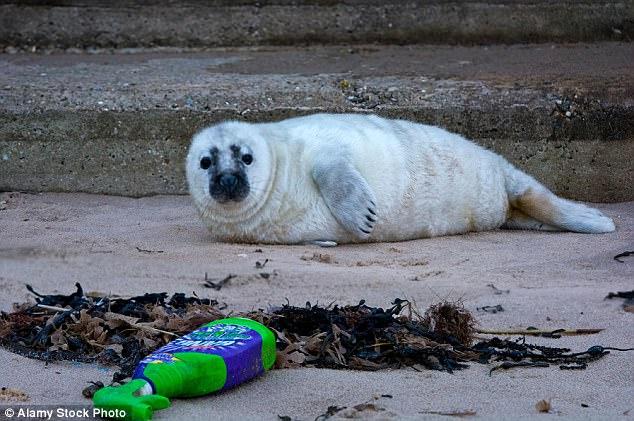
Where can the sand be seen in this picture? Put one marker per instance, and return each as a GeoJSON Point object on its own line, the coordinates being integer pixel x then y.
{"type": "Point", "coordinates": [554, 280]}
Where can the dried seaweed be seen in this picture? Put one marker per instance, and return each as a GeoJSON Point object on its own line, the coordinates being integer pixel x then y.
{"type": "Point", "coordinates": [148, 251]}
{"type": "Point", "coordinates": [498, 291]}
{"type": "Point", "coordinates": [363, 410]}
{"type": "Point", "coordinates": [520, 354]}
{"type": "Point", "coordinates": [110, 330]}
{"type": "Point", "coordinates": [459, 414]}
{"type": "Point", "coordinates": [217, 285]}
{"type": "Point", "coordinates": [451, 320]}
{"type": "Point", "coordinates": [90, 390]}
{"type": "Point", "coordinates": [628, 296]}
{"type": "Point", "coordinates": [362, 337]}
{"type": "Point", "coordinates": [491, 309]}
{"type": "Point", "coordinates": [624, 254]}
{"type": "Point", "coordinates": [369, 338]}
{"type": "Point", "coordinates": [545, 333]}
{"type": "Point", "coordinates": [261, 265]}
{"type": "Point", "coordinates": [73, 300]}
{"type": "Point", "coordinates": [120, 331]}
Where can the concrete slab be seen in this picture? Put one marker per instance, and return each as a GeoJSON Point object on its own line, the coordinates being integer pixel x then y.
{"type": "Point", "coordinates": [198, 23]}
{"type": "Point", "coordinates": [121, 123]}
{"type": "Point", "coordinates": [554, 280]}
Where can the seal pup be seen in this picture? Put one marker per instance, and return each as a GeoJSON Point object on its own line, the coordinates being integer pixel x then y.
{"type": "Point", "coordinates": [345, 178]}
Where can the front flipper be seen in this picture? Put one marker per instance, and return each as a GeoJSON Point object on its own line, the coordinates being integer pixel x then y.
{"type": "Point", "coordinates": [347, 194]}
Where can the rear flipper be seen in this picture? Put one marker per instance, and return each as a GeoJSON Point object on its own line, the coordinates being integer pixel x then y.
{"type": "Point", "coordinates": [518, 220]}
{"type": "Point", "coordinates": [542, 206]}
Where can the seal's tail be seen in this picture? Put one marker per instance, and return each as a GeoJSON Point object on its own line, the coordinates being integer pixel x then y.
{"type": "Point", "coordinates": [533, 206]}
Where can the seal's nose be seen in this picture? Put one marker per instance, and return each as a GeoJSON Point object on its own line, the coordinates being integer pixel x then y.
{"type": "Point", "coordinates": [228, 181]}
{"type": "Point", "coordinates": [229, 185]}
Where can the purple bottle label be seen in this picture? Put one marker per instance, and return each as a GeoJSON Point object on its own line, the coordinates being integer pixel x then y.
{"type": "Point", "coordinates": [239, 346]}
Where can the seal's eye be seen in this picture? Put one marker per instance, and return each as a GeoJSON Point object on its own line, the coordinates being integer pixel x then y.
{"type": "Point", "coordinates": [205, 163]}
{"type": "Point", "coordinates": [247, 158]}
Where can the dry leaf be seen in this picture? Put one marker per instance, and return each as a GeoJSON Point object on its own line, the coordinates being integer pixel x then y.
{"type": "Point", "coordinates": [312, 345]}
{"type": "Point", "coordinates": [363, 364]}
{"type": "Point", "coordinates": [290, 357]}
{"type": "Point", "coordinates": [149, 343]}
{"type": "Point", "coordinates": [281, 336]}
{"type": "Point", "coordinates": [417, 342]}
{"type": "Point", "coordinates": [543, 406]}
{"type": "Point", "coordinates": [116, 317]}
{"type": "Point", "coordinates": [89, 327]}
{"type": "Point", "coordinates": [58, 341]}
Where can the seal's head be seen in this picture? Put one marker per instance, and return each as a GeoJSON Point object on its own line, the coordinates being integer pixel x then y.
{"type": "Point", "coordinates": [229, 167]}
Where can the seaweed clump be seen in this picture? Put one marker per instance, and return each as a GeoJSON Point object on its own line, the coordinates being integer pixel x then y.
{"type": "Point", "coordinates": [367, 338]}
{"type": "Point", "coordinates": [371, 338]}
{"type": "Point", "coordinates": [121, 331]}
{"type": "Point", "coordinates": [93, 328]}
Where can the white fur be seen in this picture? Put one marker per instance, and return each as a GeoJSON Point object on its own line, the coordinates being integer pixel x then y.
{"type": "Point", "coordinates": [427, 182]}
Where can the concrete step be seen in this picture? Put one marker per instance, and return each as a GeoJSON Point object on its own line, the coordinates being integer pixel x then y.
{"type": "Point", "coordinates": [121, 123]}
{"type": "Point", "coordinates": [198, 23]}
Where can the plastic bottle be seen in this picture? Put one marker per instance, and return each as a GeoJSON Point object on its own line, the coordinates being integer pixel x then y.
{"type": "Point", "coordinates": [217, 356]}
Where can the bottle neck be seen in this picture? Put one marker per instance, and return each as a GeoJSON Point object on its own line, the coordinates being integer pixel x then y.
{"type": "Point", "coordinates": [146, 389]}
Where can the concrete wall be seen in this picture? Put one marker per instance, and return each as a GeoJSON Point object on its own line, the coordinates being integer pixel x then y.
{"type": "Point", "coordinates": [121, 123]}
{"type": "Point", "coordinates": [143, 23]}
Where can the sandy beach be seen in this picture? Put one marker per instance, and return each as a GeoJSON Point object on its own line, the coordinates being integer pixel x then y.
{"type": "Point", "coordinates": [131, 246]}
